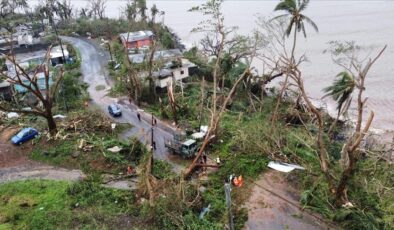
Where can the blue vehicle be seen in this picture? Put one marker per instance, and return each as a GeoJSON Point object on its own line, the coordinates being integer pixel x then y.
{"type": "Point", "coordinates": [24, 135]}
{"type": "Point", "coordinates": [114, 110]}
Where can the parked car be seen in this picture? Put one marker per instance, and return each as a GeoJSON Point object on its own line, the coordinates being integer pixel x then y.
{"type": "Point", "coordinates": [24, 135]}
{"type": "Point", "coordinates": [114, 110]}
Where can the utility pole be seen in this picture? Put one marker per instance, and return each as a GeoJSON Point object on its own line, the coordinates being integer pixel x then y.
{"type": "Point", "coordinates": [153, 144]}
{"type": "Point", "coordinates": [227, 190]}
{"type": "Point", "coordinates": [64, 98]}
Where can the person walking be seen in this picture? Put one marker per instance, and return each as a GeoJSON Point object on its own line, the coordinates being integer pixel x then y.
{"type": "Point", "coordinates": [139, 116]}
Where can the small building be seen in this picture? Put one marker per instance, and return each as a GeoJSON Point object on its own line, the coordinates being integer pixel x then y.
{"type": "Point", "coordinates": [40, 81]}
{"type": "Point", "coordinates": [137, 39]}
{"type": "Point", "coordinates": [57, 55]}
{"type": "Point", "coordinates": [38, 57]}
{"type": "Point", "coordinates": [162, 55]}
{"type": "Point", "coordinates": [5, 91]}
{"type": "Point", "coordinates": [174, 72]}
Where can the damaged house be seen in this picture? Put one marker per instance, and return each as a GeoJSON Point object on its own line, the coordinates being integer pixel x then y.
{"type": "Point", "coordinates": [174, 71]}
{"type": "Point", "coordinates": [138, 39]}
{"type": "Point", "coordinates": [175, 68]}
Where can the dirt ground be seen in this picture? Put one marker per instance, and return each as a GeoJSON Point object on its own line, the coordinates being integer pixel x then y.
{"type": "Point", "coordinates": [15, 164]}
{"type": "Point", "coordinates": [280, 211]}
{"type": "Point", "coordinates": [11, 155]}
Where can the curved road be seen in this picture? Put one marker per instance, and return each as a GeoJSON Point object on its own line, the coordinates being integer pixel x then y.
{"type": "Point", "coordinates": [95, 73]}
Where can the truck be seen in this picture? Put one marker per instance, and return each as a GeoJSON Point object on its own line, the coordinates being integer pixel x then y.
{"type": "Point", "coordinates": [186, 149]}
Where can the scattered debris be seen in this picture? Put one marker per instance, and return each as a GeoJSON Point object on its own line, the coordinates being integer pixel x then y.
{"type": "Point", "coordinates": [205, 211]}
{"type": "Point", "coordinates": [115, 149]}
{"type": "Point", "coordinates": [12, 115]}
{"type": "Point", "coordinates": [202, 189]}
{"type": "Point", "coordinates": [284, 167]}
{"type": "Point", "coordinates": [204, 128]}
{"type": "Point", "coordinates": [81, 143]}
{"type": "Point", "coordinates": [201, 134]}
{"type": "Point", "coordinates": [348, 205]}
{"type": "Point", "coordinates": [198, 136]}
{"type": "Point", "coordinates": [59, 116]}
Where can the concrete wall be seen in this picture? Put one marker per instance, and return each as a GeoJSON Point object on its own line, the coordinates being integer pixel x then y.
{"type": "Point", "coordinates": [178, 74]}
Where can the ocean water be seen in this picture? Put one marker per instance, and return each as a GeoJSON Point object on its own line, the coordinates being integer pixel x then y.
{"type": "Point", "coordinates": [369, 23]}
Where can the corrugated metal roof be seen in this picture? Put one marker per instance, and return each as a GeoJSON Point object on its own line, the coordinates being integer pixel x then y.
{"type": "Point", "coordinates": [136, 36]}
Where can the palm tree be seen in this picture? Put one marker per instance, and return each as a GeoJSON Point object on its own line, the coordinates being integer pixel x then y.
{"type": "Point", "coordinates": [294, 10]}
{"type": "Point", "coordinates": [154, 11]}
{"type": "Point", "coordinates": [341, 91]}
{"type": "Point", "coordinates": [141, 5]}
{"type": "Point", "coordinates": [131, 11]}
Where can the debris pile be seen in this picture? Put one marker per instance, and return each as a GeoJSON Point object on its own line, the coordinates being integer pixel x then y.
{"type": "Point", "coordinates": [87, 123]}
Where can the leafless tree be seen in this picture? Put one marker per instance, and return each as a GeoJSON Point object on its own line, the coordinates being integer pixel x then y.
{"type": "Point", "coordinates": [63, 9]}
{"type": "Point", "coordinates": [30, 82]}
{"type": "Point", "coordinates": [8, 7]}
{"type": "Point", "coordinates": [215, 24]}
{"type": "Point", "coordinates": [97, 8]}
{"type": "Point", "coordinates": [351, 151]}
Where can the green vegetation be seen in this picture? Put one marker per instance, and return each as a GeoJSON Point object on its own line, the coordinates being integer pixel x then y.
{"type": "Point", "coordinates": [84, 139]}
{"type": "Point", "coordinates": [41, 204]}
{"type": "Point", "coordinates": [246, 139]}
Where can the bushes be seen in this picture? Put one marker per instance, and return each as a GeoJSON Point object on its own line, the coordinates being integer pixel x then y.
{"type": "Point", "coordinates": [131, 151]}
{"type": "Point", "coordinates": [358, 219]}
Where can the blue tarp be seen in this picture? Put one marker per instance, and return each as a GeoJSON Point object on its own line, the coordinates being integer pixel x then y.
{"type": "Point", "coordinates": [40, 82]}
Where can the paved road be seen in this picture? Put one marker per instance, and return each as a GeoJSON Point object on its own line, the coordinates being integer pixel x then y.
{"type": "Point", "coordinates": [95, 73]}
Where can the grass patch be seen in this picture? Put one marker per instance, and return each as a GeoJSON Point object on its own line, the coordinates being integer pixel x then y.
{"type": "Point", "coordinates": [42, 204]}
{"type": "Point", "coordinates": [94, 158]}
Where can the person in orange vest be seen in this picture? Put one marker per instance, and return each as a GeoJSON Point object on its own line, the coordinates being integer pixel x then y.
{"type": "Point", "coordinates": [129, 170]}
{"type": "Point", "coordinates": [238, 181]}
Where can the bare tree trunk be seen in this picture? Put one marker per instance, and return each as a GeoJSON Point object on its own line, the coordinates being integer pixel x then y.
{"type": "Point", "coordinates": [202, 102]}
{"type": "Point", "coordinates": [275, 114]}
{"type": "Point", "coordinates": [150, 68]}
{"type": "Point", "coordinates": [285, 84]}
{"type": "Point", "coordinates": [171, 98]}
{"type": "Point", "coordinates": [352, 153]}
{"type": "Point", "coordinates": [148, 175]}
{"type": "Point", "coordinates": [323, 155]}
{"type": "Point", "coordinates": [51, 124]}
{"type": "Point", "coordinates": [215, 119]}
{"type": "Point", "coordinates": [294, 45]}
